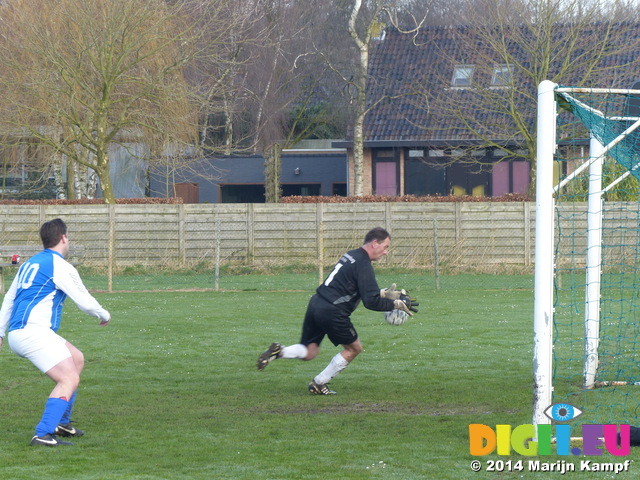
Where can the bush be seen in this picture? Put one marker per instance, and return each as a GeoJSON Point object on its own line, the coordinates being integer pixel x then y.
{"type": "Point", "coordinates": [94, 201]}
{"type": "Point", "coordinates": [509, 197]}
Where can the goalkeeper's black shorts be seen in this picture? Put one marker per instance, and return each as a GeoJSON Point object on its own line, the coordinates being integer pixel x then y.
{"type": "Point", "coordinates": [323, 318]}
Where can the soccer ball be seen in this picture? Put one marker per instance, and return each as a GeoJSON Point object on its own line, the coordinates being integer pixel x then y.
{"type": "Point", "coordinates": [396, 317]}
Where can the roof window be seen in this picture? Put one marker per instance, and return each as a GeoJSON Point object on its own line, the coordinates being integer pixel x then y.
{"type": "Point", "coordinates": [462, 76]}
{"type": "Point", "coordinates": [501, 75]}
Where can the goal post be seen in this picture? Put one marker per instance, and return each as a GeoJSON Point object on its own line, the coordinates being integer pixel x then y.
{"type": "Point", "coordinates": [543, 270]}
{"type": "Point", "coordinates": [593, 264]}
{"type": "Point", "coordinates": [583, 238]}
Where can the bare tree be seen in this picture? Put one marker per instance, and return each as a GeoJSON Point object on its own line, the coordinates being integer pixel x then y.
{"type": "Point", "coordinates": [82, 75]}
{"type": "Point", "coordinates": [281, 84]}
{"type": "Point", "coordinates": [510, 46]}
{"type": "Point", "coordinates": [366, 22]}
{"type": "Point", "coordinates": [220, 75]}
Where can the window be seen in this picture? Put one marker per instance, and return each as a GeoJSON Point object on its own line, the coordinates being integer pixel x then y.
{"type": "Point", "coordinates": [462, 75]}
{"type": "Point", "coordinates": [465, 178]}
{"type": "Point", "coordinates": [339, 189]}
{"type": "Point", "coordinates": [422, 178]}
{"type": "Point", "coordinates": [301, 189]}
{"type": "Point", "coordinates": [242, 193]}
{"type": "Point", "coordinates": [511, 177]}
{"type": "Point", "coordinates": [501, 75]}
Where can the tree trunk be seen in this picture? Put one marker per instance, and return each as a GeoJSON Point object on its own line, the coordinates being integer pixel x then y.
{"type": "Point", "coordinates": [358, 136]}
{"type": "Point", "coordinates": [80, 172]}
{"type": "Point", "coordinates": [102, 170]}
{"type": "Point", "coordinates": [360, 84]}
{"type": "Point", "coordinates": [57, 175]}
{"type": "Point", "coordinates": [272, 168]}
{"type": "Point", "coordinates": [92, 184]}
{"type": "Point", "coordinates": [71, 178]}
{"type": "Point", "coordinates": [228, 126]}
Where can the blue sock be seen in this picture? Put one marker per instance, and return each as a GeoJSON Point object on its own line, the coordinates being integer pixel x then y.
{"type": "Point", "coordinates": [66, 418]}
{"type": "Point", "coordinates": [53, 412]}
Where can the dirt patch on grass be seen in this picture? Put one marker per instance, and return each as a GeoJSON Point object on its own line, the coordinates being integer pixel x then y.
{"type": "Point", "coordinates": [355, 408]}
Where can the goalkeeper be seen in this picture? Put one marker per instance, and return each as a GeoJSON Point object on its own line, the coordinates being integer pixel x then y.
{"type": "Point", "coordinates": [328, 313]}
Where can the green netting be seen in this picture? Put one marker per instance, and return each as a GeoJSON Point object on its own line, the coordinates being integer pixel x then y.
{"type": "Point", "coordinates": [611, 119]}
{"type": "Point", "coordinates": [617, 394]}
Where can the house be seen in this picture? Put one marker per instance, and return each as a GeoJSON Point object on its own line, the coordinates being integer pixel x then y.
{"type": "Point", "coordinates": [240, 179]}
{"type": "Point", "coordinates": [429, 130]}
{"type": "Point", "coordinates": [436, 124]}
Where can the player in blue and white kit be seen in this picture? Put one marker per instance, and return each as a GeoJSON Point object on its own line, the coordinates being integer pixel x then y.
{"type": "Point", "coordinates": [31, 311]}
{"type": "Point", "coordinates": [351, 281]}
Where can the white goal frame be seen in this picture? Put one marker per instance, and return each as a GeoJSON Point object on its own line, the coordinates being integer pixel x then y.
{"type": "Point", "coordinates": [544, 246]}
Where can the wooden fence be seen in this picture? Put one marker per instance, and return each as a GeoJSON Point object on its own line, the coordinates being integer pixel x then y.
{"type": "Point", "coordinates": [476, 235]}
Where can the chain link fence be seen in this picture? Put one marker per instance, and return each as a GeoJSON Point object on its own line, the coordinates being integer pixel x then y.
{"type": "Point", "coordinates": [127, 247]}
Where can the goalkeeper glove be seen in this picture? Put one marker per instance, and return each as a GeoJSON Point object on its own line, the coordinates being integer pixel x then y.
{"type": "Point", "coordinates": [400, 305]}
{"type": "Point", "coordinates": [409, 303]}
{"type": "Point", "coordinates": [390, 292]}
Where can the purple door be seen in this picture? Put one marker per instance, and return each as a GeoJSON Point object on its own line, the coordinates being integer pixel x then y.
{"type": "Point", "coordinates": [386, 178]}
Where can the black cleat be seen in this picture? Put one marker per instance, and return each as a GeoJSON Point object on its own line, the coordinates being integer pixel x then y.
{"type": "Point", "coordinates": [68, 430]}
{"type": "Point", "coordinates": [48, 440]}
{"type": "Point", "coordinates": [320, 389]}
{"type": "Point", "coordinates": [269, 355]}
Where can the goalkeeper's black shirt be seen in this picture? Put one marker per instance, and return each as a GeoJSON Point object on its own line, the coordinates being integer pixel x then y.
{"type": "Point", "coordinates": [352, 280]}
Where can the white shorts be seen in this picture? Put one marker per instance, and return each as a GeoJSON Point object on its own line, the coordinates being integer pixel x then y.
{"type": "Point", "coordinates": [42, 346]}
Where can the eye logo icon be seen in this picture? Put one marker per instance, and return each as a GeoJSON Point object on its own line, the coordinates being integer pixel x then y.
{"type": "Point", "coordinates": [562, 412]}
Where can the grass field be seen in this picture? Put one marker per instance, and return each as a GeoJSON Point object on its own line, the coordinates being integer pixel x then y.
{"type": "Point", "coordinates": [170, 390]}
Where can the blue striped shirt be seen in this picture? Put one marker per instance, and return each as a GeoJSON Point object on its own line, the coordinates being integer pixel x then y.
{"type": "Point", "coordinates": [38, 292]}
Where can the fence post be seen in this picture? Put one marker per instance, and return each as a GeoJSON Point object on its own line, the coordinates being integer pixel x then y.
{"type": "Point", "coordinates": [436, 259]}
{"type": "Point", "coordinates": [320, 233]}
{"type": "Point", "coordinates": [250, 239]}
{"type": "Point", "coordinates": [387, 225]}
{"type": "Point", "coordinates": [458, 221]}
{"type": "Point", "coordinates": [111, 247]}
{"type": "Point", "coordinates": [527, 234]}
{"type": "Point", "coordinates": [182, 249]}
{"type": "Point", "coordinates": [42, 214]}
{"type": "Point", "coordinates": [217, 274]}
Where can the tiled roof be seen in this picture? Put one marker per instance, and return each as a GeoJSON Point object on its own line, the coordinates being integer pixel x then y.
{"type": "Point", "coordinates": [413, 75]}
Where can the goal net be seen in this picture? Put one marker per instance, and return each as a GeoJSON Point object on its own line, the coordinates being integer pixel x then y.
{"type": "Point", "coordinates": [587, 290]}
